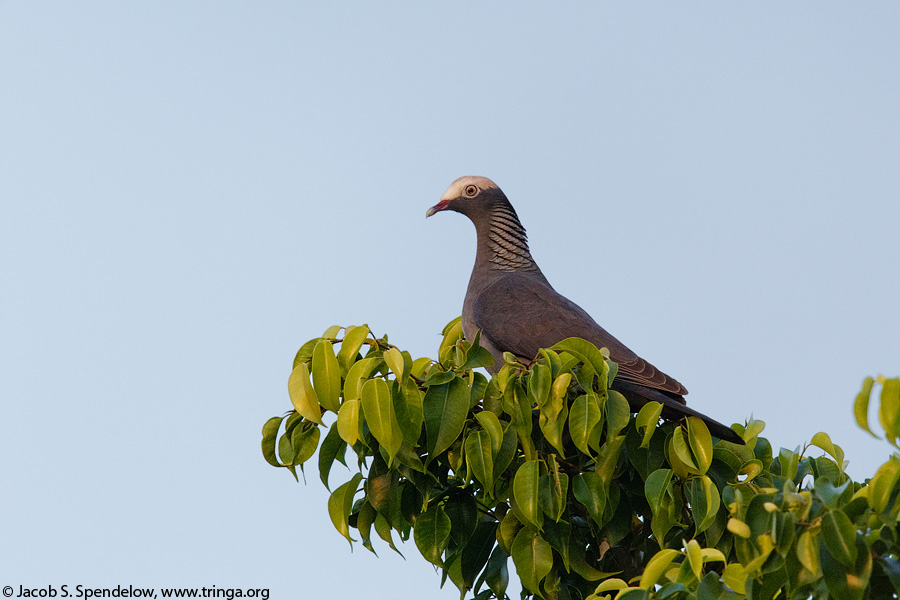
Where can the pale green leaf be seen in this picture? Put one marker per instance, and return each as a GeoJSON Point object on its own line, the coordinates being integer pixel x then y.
{"type": "Point", "coordinates": [533, 558]}
{"type": "Point", "coordinates": [269, 435]}
{"type": "Point", "coordinates": [326, 376]}
{"type": "Point", "coordinates": [353, 341]}
{"type": "Point", "coordinates": [587, 353]}
{"type": "Point", "coordinates": [694, 558]}
{"type": "Point", "coordinates": [646, 421]}
{"type": "Point", "coordinates": [889, 410]}
{"type": "Point", "coordinates": [839, 535]}
{"type": "Point", "coordinates": [584, 416]}
{"type": "Point", "coordinates": [480, 459]}
{"type": "Point", "coordinates": [861, 406]}
{"type": "Point", "coordinates": [378, 409]}
{"type": "Point", "coordinates": [618, 413]}
{"type": "Point", "coordinates": [333, 447]}
{"type": "Point", "coordinates": [492, 425]}
{"type": "Point", "coordinates": [394, 359]}
{"type": "Point", "coordinates": [303, 396]}
{"type": "Point", "coordinates": [589, 489]}
{"type": "Point", "coordinates": [348, 421]}
{"type": "Point", "coordinates": [883, 484]}
{"type": "Point", "coordinates": [552, 490]}
{"type": "Point", "coordinates": [705, 502]}
{"type": "Point", "coordinates": [808, 551]}
{"type": "Point", "coordinates": [700, 442]}
{"type": "Point", "coordinates": [445, 409]}
{"type": "Point", "coordinates": [657, 567]}
{"type": "Point", "coordinates": [304, 441]}
{"type": "Point", "coordinates": [823, 441]}
{"type": "Point", "coordinates": [339, 504]}
{"type": "Point", "coordinates": [526, 492]}
{"type": "Point", "coordinates": [357, 376]}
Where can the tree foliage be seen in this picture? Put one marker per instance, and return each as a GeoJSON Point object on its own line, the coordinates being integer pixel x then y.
{"type": "Point", "coordinates": [546, 465]}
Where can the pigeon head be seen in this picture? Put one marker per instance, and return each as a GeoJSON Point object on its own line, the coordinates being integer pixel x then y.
{"type": "Point", "coordinates": [471, 196]}
{"type": "Point", "coordinates": [502, 242]}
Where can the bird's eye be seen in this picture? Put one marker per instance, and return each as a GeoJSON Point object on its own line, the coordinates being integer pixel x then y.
{"type": "Point", "coordinates": [471, 190]}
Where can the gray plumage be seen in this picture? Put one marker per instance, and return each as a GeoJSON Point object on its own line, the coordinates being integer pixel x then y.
{"type": "Point", "coordinates": [518, 311]}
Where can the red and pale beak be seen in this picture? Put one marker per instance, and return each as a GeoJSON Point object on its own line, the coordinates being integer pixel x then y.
{"type": "Point", "coordinates": [442, 205]}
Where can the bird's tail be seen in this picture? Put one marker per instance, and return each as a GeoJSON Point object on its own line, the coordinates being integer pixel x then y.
{"type": "Point", "coordinates": [674, 409]}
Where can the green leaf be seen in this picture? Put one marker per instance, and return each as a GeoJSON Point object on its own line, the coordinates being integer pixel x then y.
{"type": "Point", "coordinates": [378, 408]}
{"type": "Point", "coordinates": [507, 531]}
{"type": "Point", "coordinates": [560, 388]}
{"type": "Point", "coordinates": [882, 485]}
{"type": "Point", "coordinates": [552, 489]}
{"type": "Point", "coordinates": [333, 447]}
{"type": "Point", "coordinates": [808, 552]}
{"type": "Point", "coordinates": [533, 558]}
{"type": "Point", "coordinates": [507, 452]}
{"type": "Point", "coordinates": [353, 341]}
{"type": "Point", "coordinates": [496, 574]}
{"type": "Point", "coordinates": [348, 421]}
{"type": "Point", "coordinates": [477, 356]}
{"type": "Point", "coordinates": [705, 502]}
{"type": "Point", "coordinates": [383, 529]}
{"type": "Point", "coordinates": [394, 359]}
{"type": "Point", "coordinates": [587, 353]}
{"type": "Point", "coordinates": [408, 409]}
{"type": "Point", "coordinates": [477, 550]}
{"type": "Point", "coordinates": [303, 396]}
{"type": "Point", "coordinates": [462, 509]}
{"type": "Point", "coordinates": [700, 442]}
{"type": "Point", "coordinates": [492, 426]}
{"type": "Point", "coordinates": [269, 435]}
{"type": "Point", "coordinates": [658, 491]}
{"type": "Point", "coordinates": [694, 558]}
{"type": "Point", "coordinates": [304, 441]}
{"type": "Point", "coordinates": [364, 520]}
{"type": "Point", "coordinates": [608, 457]}
{"type": "Point", "coordinates": [526, 493]}
{"type": "Point", "coordinates": [331, 332]}
{"type": "Point", "coordinates": [647, 420]}
{"type": "Point", "coordinates": [480, 459]}
{"type": "Point", "coordinates": [304, 354]}
{"type": "Point", "coordinates": [553, 415]}
{"type": "Point", "coordinates": [589, 489]}
{"type": "Point", "coordinates": [339, 504]}
{"type": "Point", "coordinates": [478, 384]}
{"type": "Point", "coordinates": [446, 407]}
{"type": "Point", "coordinates": [326, 375]}
{"type": "Point", "coordinates": [447, 351]}
{"type": "Point", "coordinates": [848, 583]}
{"type": "Point", "coordinates": [861, 406]}
{"type": "Point", "coordinates": [286, 450]}
{"type": "Point", "coordinates": [618, 413]}
{"type": "Point", "coordinates": [584, 416]}
{"type": "Point", "coordinates": [357, 375]}
{"type": "Point", "coordinates": [680, 455]}
{"type": "Point", "coordinates": [823, 441]}
{"type": "Point", "coordinates": [889, 411]}
{"type": "Point", "coordinates": [788, 461]}
{"type": "Point", "coordinates": [431, 534]}
{"type": "Point", "coordinates": [657, 567]}
{"type": "Point", "coordinates": [839, 535]}
{"type": "Point", "coordinates": [539, 382]}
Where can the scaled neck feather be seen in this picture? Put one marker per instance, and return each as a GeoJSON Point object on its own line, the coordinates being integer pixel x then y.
{"type": "Point", "coordinates": [507, 241]}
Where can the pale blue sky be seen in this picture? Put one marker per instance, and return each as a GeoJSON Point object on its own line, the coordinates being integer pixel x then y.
{"type": "Point", "coordinates": [189, 191]}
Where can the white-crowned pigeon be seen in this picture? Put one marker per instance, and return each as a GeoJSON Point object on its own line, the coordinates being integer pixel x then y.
{"type": "Point", "coordinates": [518, 311]}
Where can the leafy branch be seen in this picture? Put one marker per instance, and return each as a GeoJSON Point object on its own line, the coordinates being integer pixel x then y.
{"type": "Point", "coordinates": [545, 464]}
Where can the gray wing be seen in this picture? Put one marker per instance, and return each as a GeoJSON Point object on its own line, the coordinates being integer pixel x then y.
{"type": "Point", "coordinates": [519, 314]}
